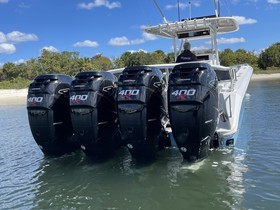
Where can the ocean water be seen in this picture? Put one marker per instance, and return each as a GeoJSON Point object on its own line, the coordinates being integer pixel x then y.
{"type": "Point", "coordinates": [244, 177]}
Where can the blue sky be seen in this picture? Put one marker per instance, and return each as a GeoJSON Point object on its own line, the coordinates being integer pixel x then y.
{"type": "Point", "coordinates": [111, 27]}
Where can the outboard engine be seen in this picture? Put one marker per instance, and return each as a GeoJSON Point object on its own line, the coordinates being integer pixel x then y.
{"type": "Point", "coordinates": [49, 113]}
{"type": "Point", "coordinates": [193, 108]}
{"type": "Point", "coordinates": [140, 109]}
{"type": "Point", "coordinates": [93, 112]}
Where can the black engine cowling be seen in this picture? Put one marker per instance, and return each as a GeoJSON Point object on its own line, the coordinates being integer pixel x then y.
{"type": "Point", "coordinates": [193, 108]}
{"type": "Point", "coordinates": [49, 113]}
{"type": "Point", "coordinates": [140, 109]}
{"type": "Point", "coordinates": [94, 113]}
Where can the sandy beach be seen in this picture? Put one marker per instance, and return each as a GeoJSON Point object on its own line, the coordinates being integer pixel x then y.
{"type": "Point", "coordinates": [265, 76]}
{"type": "Point", "coordinates": [14, 97]}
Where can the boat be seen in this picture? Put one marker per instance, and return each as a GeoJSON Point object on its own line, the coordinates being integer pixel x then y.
{"type": "Point", "coordinates": [204, 99]}
{"type": "Point", "coordinates": [194, 106]}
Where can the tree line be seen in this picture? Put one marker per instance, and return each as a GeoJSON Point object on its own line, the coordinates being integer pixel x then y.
{"type": "Point", "coordinates": [70, 63]}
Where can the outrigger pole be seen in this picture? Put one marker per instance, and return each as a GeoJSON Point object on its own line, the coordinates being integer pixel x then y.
{"type": "Point", "coordinates": [164, 19]}
{"type": "Point", "coordinates": [217, 8]}
{"type": "Point", "coordinates": [213, 31]}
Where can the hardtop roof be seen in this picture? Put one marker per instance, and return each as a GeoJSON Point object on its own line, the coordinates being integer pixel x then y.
{"type": "Point", "coordinates": [195, 28]}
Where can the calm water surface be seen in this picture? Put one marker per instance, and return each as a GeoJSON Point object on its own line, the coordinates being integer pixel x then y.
{"type": "Point", "coordinates": [244, 177]}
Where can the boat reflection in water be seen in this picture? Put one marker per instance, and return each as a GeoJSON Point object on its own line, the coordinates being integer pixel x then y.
{"type": "Point", "coordinates": [73, 181]}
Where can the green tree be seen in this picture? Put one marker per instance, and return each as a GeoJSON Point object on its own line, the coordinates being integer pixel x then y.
{"type": "Point", "coordinates": [157, 57]}
{"type": "Point", "coordinates": [140, 58]}
{"type": "Point", "coordinates": [33, 69]}
{"type": "Point", "coordinates": [85, 64]}
{"type": "Point", "coordinates": [243, 56]}
{"type": "Point", "coordinates": [170, 58]}
{"type": "Point", "coordinates": [49, 62]}
{"type": "Point", "coordinates": [60, 63]}
{"type": "Point", "coordinates": [22, 69]}
{"type": "Point", "coordinates": [125, 59]}
{"type": "Point", "coordinates": [240, 56]}
{"type": "Point", "coordinates": [270, 57]}
{"type": "Point", "coordinates": [9, 71]}
{"type": "Point", "coordinates": [118, 63]}
{"type": "Point", "coordinates": [2, 76]}
{"type": "Point", "coordinates": [227, 57]}
{"type": "Point", "coordinates": [134, 59]}
{"type": "Point", "coordinates": [70, 63]}
{"type": "Point", "coordinates": [102, 63]}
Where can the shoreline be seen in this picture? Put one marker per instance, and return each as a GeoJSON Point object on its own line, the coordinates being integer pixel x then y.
{"type": "Point", "coordinates": [19, 97]}
{"type": "Point", "coordinates": [13, 96]}
{"type": "Point", "coordinates": [265, 76]}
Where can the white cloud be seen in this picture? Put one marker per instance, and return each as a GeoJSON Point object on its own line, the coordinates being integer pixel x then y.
{"type": "Point", "coordinates": [200, 48]}
{"type": "Point", "coordinates": [137, 41]}
{"type": "Point", "coordinates": [15, 62]}
{"type": "Point", "coordinates": [135, 51]}
{"type": "Point", "coordinates": [86, 43]}
{"type": "Point", "coordinates": [230, 40]}
{"type": "Point", "coordinates": [242, 20]}
{"type": "Point", "coordinates": [8, 41]}
{"type": "Point", "coordinates": [100, 3]}
{"type": "Point", "coordinates": [258, 52]}
{"type": "Point", "coordinates": [50, 48]}
{"type": "Point", "coordinates": [119, 41]}
{"type": "Point", "coordinates": [195, 3]}
{"type": "Point", "coordinates": [17, 36]}
{"type": "Point", "coordinates": [195, 49]}
{"type": "Point", "coordinates": [182, 5]}
{"type": "Point", "coordinates": [19, 61]}
{"type": "Point", "coordinates": [4, 1]}
{"type": "Point", "coordinates": [124, 41]}
{"type": "Point", "coordinates": [6, 48]}
{"type": "Point", "coordinates": [172, 6]}
{"type": "Point", "coordinates": [2, 37]}
{"type": "Point", "coordinates": [246, 2]}
{"type": "Point", "coordinates": [273, 1]}
{"type": "Point", "coordinates": [147, 36]}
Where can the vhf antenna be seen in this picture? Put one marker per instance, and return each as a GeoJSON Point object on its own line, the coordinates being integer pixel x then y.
{"type": "Point", "coordinates": [164, 19]}
{"type": "Point", "coordinates": [190, 9]}
{"type": "Point", "coordinates": [178, 3]}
